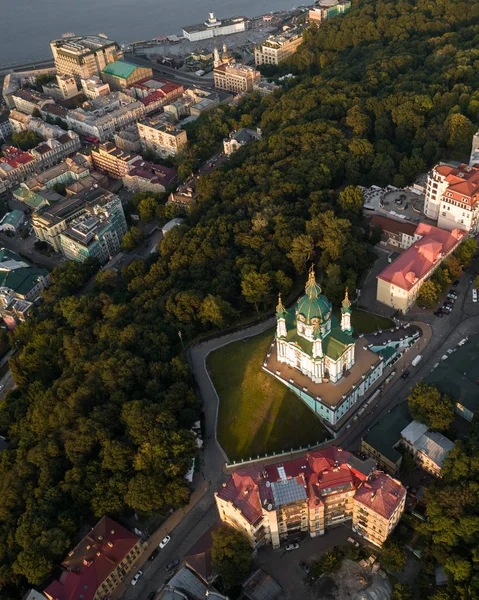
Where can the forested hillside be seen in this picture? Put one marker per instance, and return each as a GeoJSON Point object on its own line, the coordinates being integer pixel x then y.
{"type": "Point", "coordinates": [100, 420]}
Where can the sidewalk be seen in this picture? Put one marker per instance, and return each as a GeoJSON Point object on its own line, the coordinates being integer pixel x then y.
{"type": "Point", "coordinates": [152, 543]}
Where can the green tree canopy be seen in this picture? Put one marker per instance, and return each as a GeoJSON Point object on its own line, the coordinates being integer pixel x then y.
{"type": "Point", "coordinates": [428, 295]}
{"type": "Point", "coordinates": [231, 555]}
{"type": "Point", "coordinates": [429, 406]}
{"type": "Point", "coordinates": [25, 140]}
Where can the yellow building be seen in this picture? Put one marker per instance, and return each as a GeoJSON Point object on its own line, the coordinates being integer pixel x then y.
{"type": "Point", "coordinates": [277, 48]}
{"type": "Point", "coordinates": [235, 77]}
{"type": "Point", "coordinates": [161, 137]}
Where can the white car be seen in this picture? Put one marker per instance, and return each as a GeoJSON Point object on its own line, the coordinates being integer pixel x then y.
{"type": "Point", "coordinates": [290, 547]}
{"type": "Point", "coordinates": [135, 579]}
{"type": "Point", "coordinates": [474, 295]}
{"type": "Point", "coordinates": [164, 541]}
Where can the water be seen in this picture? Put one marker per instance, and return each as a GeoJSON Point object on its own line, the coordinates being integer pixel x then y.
{"type": "Point", "coordinates": [27, 26]}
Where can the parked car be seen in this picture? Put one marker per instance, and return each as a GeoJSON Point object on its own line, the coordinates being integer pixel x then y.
{"type": "Point", "coordinates": [405, 375]}
{"type": "Point", "coordinates": [353, 542]}
{"type": "Point", "coordinates": [153, 555]}
{"type": "Point", "coordinates": [305, 567]}
{"type": "Point", "coordinates": [135, 579]}
{"type": "Point", "coordinates": [454, 293]}
{"type": "Point", "coordinates": [471, 279]}
{"type": "Point", "coordinates": [290, 547]}
{"type": "Point", "coordinates": [438, 313]}
{"type": "Point", "coordinates": [164, 541]}
{"type": "Point", "coordinates": [172, 565]}
{"type": "Point", "coordinates": [446, 308]}
{"type": "Point", "coordinates": [451, 297]}
{"type": "Point", "coordinates": [456, 283]}
{"type": "Point", "coordinates": [474, 295]}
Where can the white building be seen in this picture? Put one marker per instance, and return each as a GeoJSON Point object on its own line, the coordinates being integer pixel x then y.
{"type": "Point", "coordinates": [212, 28]}
{"type": "Point", "coordinates": [318, 359]}
{"type": "Point", "coordinates": [277, 48]}
{"type": "Point", "coordinates": [452, 197]}
{"type": "Point", "coordinates": [21, 122]}
{"type": "Point", "coordinates": [238, 139]}
{"type": "Point", "coordinates": [94, 87]}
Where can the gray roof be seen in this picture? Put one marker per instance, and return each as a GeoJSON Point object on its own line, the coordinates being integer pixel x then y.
{"type": "Point", "coordinates": [435, 446]}
{"type": "Point", "coordinates": [261, 586]}
{"type": "Point", "coordinates": [187, 582]}
{"type": "Point", "coordinates": [287, 491]}
{"type": "Point", "coordinates": [414, 431]}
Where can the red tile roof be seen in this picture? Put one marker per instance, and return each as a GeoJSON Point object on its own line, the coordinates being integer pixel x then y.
{"type": "Point", "coordinates": [322, 472]}
{"type": "Point", "coordinates": [419, 259]}
{"type": "Point", "coordinates": [463, 182]}
{"type": "Point", "coordinates": [90, 563]}
{"type": "Point", "coordinates": [15, 157]}
{"type": "Point", "coordinates": [392, 226]}
{"type": "Point", "coordinates": [381, 493]}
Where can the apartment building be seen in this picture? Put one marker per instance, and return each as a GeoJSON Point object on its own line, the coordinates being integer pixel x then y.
{"type": "Point", "coordinates": [429, 448]}
{"type": "Point", "coordinates": [15, 167]}
{"type": "Point", "coordinates": [185, 196]}
{"type": "Point", "coordinates": [161, 137]}
{"type": "Point", "coordinates": [149, 177]}
{"type": "Point", "coordinates": [235, 77]}
{"type": "Point", "coordinates": [93, 87]}
{"type": "Point", "coordinates": [452, 197]}
{"type": "Point", "coordinates": [378, 506]}
{"type": "Point", "coordinates": [286, 501]}
{"type": "Point", "coordinates": [121, 74]}
{"type": "Point", "coordinates": [84, 56]}
{"type": "Point", "coordinates": [98, 565]}
{"type": "Point", "coordinates": [327, 9]}
{"type": "Point", "coordinates": [5, 126]}
{"type": "Point", "coordinates": [49, 222]}
{"type": "Point", "coordinates": [97, 232]}
{"type": "Point", "coordinates": [107, 158]}
{"type": "Point", "coordinates": [27, 100]}
{"type": "Point", "coordinates": [128, 139]}
{"type": "Point", "coordinates": [20, 121]}
{"type": "Point", "coordinates": [399, 234]}
{"type": "Point", "coordinates": [277, 48]}
{"type": "Point", "coordinates": [103, 122]}
{"type": "Point", "coordinates": [399, 283]}
{"type": "Point", "coordinates": [53, 151]}
{"type": "Point", "coordinates": [70, 170]}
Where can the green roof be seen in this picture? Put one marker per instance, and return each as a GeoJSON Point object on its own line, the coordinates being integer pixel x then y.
{"type": "Point", "coordinates": [32, 199]}
{"type": "Point", "coordinates": [13, 218]}
{"type": "Point", "coordinates": [120, 69]}
{"type": "Point", "coordinates": [387, 432]}
{"type": "Point", "coordinates": [334, 344]}
{"type": "Point", "coordinates": [21, 280]}
{"type": "Point", "coordinates": [458, 375]}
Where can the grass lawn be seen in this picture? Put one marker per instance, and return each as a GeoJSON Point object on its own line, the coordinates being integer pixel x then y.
{"type": "Point", "coordinates": [257, 413]}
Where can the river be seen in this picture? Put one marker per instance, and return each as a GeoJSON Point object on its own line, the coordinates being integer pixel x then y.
{"type": "Point", "coordinates": [27, 26]}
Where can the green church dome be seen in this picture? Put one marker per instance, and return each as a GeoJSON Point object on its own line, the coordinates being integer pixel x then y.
{"type": "Point", "coordinates": [313, 306]}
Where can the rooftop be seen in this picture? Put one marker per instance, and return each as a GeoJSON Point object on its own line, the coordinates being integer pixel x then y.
{"type": "Point", "coordinates": [90, 563]}
{"type": "Point", "coordinates": [381, 493]}
{"type": "Point", "coordinates": [261, 586]}
{"type": "Point", "coordinates": [85, 44]}
{"type": "Point", "coordinates": [419, 259]}
{"type": "Point", "coordinates": [385, 434]}
{"type": "Point", "coordinates": [120, 68]}
{"type": "Point", "coordinates": [463, 182]}
{"type": "Point", "coordinates": [393, 226]}
{"type": "Point", "coordinates": [14, 218]}
{"type": "Point", "coordinates": [218, 23]}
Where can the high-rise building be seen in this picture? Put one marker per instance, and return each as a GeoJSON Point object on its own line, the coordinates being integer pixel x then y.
{"type": "Point", "coordinates": [277, 503]}
{"type": "Point", "coordinates": [84, 56]}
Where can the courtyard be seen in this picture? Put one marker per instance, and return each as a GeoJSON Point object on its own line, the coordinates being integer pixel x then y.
{"type": "Point", "coordinates": [257, 414]}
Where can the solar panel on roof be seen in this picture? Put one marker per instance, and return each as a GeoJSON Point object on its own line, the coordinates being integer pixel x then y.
{"type": "Point", "coordinates": [287, 491]}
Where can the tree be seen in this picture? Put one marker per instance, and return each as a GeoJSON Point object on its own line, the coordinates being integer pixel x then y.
{"type": "Point", "coordinates": [466, 251]}
{"type": "Point", "coordinates": [132, 238]}
{"type": "Point", "coordinates": [441, 277]}
{"type": "Point", "coordinates": [25, 140]}
{"type": "Point", "coordinates": [392, 556]}
{"type": "Point", "coordinates": [216, 311]}
{"type": "Point", "coordinates": [351, 200]}
{"type": "Point", "coordinates": [301, 252]}
{"type": "Point", "coordinates": [231, 555]}
{"type": "Point", "coordinates": [402, 592]}
{"type": "Point", "coordinates": [376, 235]}
{"type": "Point", "coordinates": [329, 562]}
{"type": "Point", "coordinates": [453, 266]}
{"type": "Point", "coordinates": [428, 295]}
{"type": "Point", "coordinates": [147, 209]}
{"type": "Point", "coordinates": [256, 288]}
{"type": "Point", "coordinates": [459, 131]}
{"type": "Point", "coordinates": [429, 406]}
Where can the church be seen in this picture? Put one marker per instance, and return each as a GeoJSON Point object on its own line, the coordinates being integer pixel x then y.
{"type": "Point", "coordinates": [315, 354]}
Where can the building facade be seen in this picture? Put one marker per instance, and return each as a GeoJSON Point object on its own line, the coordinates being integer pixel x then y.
{"type": "Point", "coordinates": [235, 77]}
{"type": "Point", "coordinates": [239, 138]}
{"type": "Point", "coordinates": [452, 197]}
{"type": "Point", "coordinates": [284, 502]}
{"type": "Point", "coordinates": [327, 9]}
{"type": "Point", "coordinates": [93, 87]}
{"type": "Point", "coordinates": [84, 56]}
{"type": "Point", "coordinates": [97, 232]}
{"type": "Point", "coordinates": [429, 448]}
{"type": "Point", "coordinates": [98, 565]}
{"type": "Point", "coordinates": [277, 48]}
{"type": "Point", "coordinates": [212, 27]}
{"type": "Point", "coordinates": [400, 234]}
{"type": "Point", "coordinates": [107, 158]}
{"type": "Point", "coordinates": [399, 283]}
{"type": "Point", "coordinates": [317, 358]}
{"type": "Point", "coordinates": [5, 126]}
{"type": "Point", "coordinates": [161, 137]}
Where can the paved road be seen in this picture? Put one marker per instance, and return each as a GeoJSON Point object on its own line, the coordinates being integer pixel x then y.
{"type": "Point", "coordinates": [26, 248]}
